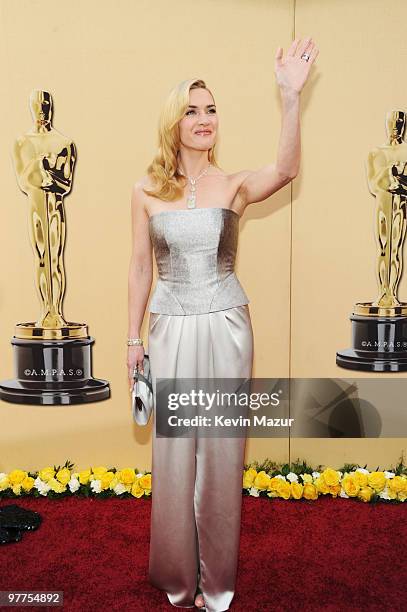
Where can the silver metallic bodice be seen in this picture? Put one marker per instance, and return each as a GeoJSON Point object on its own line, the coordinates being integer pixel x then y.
{"type": "Point", "coordinates": [195, 250]}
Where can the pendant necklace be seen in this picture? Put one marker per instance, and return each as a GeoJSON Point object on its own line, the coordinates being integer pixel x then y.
{"type": "Point", "coordinates": [191, 200]}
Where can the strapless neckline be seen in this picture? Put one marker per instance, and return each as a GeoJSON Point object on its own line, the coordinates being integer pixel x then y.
{"type": "Point", "coordinates": [189, 210]}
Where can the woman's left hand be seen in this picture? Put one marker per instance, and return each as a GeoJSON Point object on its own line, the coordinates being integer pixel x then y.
{"type": "Point", "coordinates": [292, 71]}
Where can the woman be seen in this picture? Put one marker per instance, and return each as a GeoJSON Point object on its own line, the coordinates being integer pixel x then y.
{"type": "Point", "coordinates": [188, 209]}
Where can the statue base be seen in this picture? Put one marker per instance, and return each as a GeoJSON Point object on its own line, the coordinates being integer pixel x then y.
{"type": "Point", "coordinates": [379, 344]}
{"type": "Point", "coordinates": [367, 309]}
{"type": "Point", "coordinates": [49, 372]}
{"type": "Point", "coordinates": [29, 331]}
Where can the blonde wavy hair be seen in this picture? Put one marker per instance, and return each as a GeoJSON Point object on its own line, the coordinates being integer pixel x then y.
{"type": "Point", "coordinates": [168, 184]}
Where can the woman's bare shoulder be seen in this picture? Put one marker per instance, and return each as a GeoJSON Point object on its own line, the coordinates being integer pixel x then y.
{"type": "Point", "coordinates": [139, 195]}
{"type": "Point", "coordinates": [139, 198]}
{"type": "Point", "coordinates": [145, 181]}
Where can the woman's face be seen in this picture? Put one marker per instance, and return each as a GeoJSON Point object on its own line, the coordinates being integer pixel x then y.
{"type": "Point", "coordinates": [198, 128]}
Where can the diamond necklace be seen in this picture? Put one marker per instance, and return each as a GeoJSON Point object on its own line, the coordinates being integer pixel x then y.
{"type": "Point", "coordinates": [191, 200]}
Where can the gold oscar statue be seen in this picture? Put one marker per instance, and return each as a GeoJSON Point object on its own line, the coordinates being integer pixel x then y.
{"type": "Point", "coordinates": [52, 356]}
{"type": "Point", "coordinates": [380, 327]}
{"type": "Point", "coordinates": [44, 162]}
{"type": "Point", "coordinates": [387, 179]}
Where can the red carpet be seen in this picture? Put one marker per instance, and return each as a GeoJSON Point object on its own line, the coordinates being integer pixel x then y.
{"type": "Point", "coordinates": [330, 555]}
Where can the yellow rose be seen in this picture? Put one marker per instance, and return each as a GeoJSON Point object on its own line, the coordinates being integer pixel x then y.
{"type": "Point", "coordinates": [360, 478]}
{"type": "Point", "coordinates": [351, 485]}
{"type": "Point", "coordinates": [365, 494]}
{"type": "Point", "coordinates": [321, 485]}
{"type": "Point", "coordinates": [296, 490]}
{"type": "Point", "coordinates": [28, 483]}
{"type": "Point", "coordinates": [261, 481]}
{"type": "Point", "coordinates": [16, 477]}
{"type": "Point", "coordinates": [248, 478]}
{"type": "Point", "coordinates": [105, 479]}
{"type": "Point", "coordinates": [273, 484]}
{"type": "Point", "coordinates": [284, 489]}
{"type": "Point", "coordinates": [396, 484]}
{"type": "Point", "coordinates": [46, 474]}
{"type": "Point", "coordinates": [335, 490]}
{"type": "Point", "coordinates": [98, 471]}
{"type": "Point", "coordinates": [307, 478]}
{"type": "Point", "coordinates": [136, 489]}
{"type": "Point", "coordinates": [4, 483]}
{"type": "Point", "coordinates": [113, 482]}
{"type": "Point", "coordinates": [63, 475]}
{"type": "Point", "coordinates": [310, 491]}
{"type": "Point", "coordinates": [145, 482]}
{"type": "Point", "coordinates": [126, 476]}
{"type": "Point", "coordinates": [56, 486]}
{"type": "Point", "coordinates": [17, 488]}
{"type": "Point", "coordinates": [377, 480]}
{"type": "Point", "coordinates": [330, 477]}
{"type": "Point", "coordinates": [84, 476]}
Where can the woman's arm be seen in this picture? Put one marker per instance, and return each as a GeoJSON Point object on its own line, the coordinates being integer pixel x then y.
{"type": "Point", "coordinates": [291, 73]}
{"type": "Point", "coordinates": [140, 276]}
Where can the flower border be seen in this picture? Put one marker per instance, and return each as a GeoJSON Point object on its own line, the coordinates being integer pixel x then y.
{"type": "Point", "coordinates": [268, 479]}
{"type": "Point", "coordinates": [300, 481]}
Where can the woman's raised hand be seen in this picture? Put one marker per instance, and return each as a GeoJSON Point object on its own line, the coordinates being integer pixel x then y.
{"type": "Point", "coordinates": [291, 71]}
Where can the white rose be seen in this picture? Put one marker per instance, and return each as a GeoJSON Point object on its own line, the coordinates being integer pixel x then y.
{"type": "Point", "coordinates": [41, 486]}
{"type": "Point", "coordinates": [96, 486]}
{"type": "Point", "coordinates": [74, 485]}
{"type": "Point", "coordinates": [254, 492]}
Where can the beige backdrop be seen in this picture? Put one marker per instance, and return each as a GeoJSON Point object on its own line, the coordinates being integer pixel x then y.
{"type": "Point", "coordinates": [109, 66]}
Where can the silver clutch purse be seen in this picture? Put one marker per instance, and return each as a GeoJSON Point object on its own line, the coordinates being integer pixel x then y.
{"type": "Point", "coordinates": [142, 397]}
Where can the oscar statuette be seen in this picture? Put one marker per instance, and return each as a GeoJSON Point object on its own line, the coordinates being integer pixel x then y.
{"type": "Point", "coordinates": [379, 328]}
{"type": "Point", "coordinates": [52, 356]}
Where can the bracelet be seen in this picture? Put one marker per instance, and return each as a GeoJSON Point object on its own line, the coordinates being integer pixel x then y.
{"type": "Point", "coordinates": [135, 342]}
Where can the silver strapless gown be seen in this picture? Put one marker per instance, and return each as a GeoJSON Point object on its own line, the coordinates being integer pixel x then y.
{"type": "Point", "coordinates": [199, 327]}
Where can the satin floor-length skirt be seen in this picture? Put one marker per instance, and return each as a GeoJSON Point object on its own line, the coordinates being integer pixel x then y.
{"type": "Point", "coordinates": [197, 482]}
